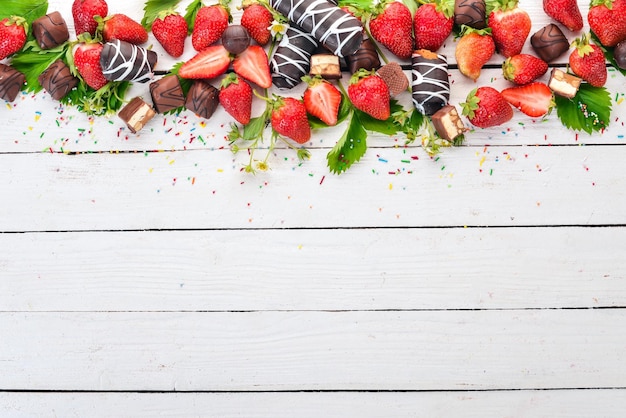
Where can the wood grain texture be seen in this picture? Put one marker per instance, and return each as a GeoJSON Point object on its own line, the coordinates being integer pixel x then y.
{"type": "Point", "coordinates": [375, 269]}
{"type": "Point", "coordinates": [548, 404]}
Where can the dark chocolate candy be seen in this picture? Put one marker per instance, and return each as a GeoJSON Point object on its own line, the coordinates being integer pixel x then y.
{"type": "Point", "coordinates": [235, 39]}
{"type": "Point", "coordinates": [430, 85]}
{"type": "Point", "coordinates": [136, 114]}
{"type": "Point", "coordinates": [11, 82]}
{"type": "Point", "coordinates": [549, 42]}
{"type": "Point", "coordinates": [330, 25]}
{"type": "Point", "coordinates": [365, 57]}
{"type": "Point", "coordinates": [471, 13]}
{"type": "Point", "coordinates": [123, 61]}
{"type": "Point", "coordinates": [50, 30]}
{"type": "Point", "coordinates": [167, 94]}
{"type": "Point", "coordinates": [448, 123]}
{"type": "Point", "coordinates": [58, 80]}
{"type": "Point", "coordinates": [619, 53]}
{"type": "Point", "coordinates": [292, 58]}
{"type": "Point", "coordinates": [202, 99]}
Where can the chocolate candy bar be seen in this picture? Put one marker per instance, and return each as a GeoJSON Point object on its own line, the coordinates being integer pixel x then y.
{"type": "Point", "coordinates": [331, 26]}
{"type": "Point", "coordinates": [136, 114]}
{"type": "Point", "coordinates": [549, 42]}
{"type": "Point", "coordinates": [471, 13]}
{"type": "Point", "coordinates": [325, 65]}
{"type": "Point", "coordinates": [123, 61]}
{"type": "Point", "coordinates": [365, 57]}
{"type": "Point", "coordinates": [564, 84]}
{"type": "Point", "coordinates": [202, 99]}
{"type": "Point", "coordinates": [430, 85]}
{"type": "Point", "coordinates": [11, 82]}
{"type": "Point", "coordinates": [167, 94]}
{"type": "Point", "coordinates": [448, 123]}
{"type": "Point", "coordinates": [292, 58]}
{"type": "Point", "coordinates": [50, 30]}
{"type": "Point", "coordinates": [58, 80]}
{"type": "Point", "coordinates": [394, 77]}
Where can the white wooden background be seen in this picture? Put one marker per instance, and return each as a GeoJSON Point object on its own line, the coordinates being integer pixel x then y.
{"type": "Point", "coordinates": [146, 275]}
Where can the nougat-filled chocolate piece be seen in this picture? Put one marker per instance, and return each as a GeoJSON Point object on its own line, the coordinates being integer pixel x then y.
{"type": "Point", "coordinates": [448, 123]}
{"type": "Point", "coordinates": [325, 65]}
{"type": "Point", "coordinates": [58, 80]}
{"type": "Point", "coordinates": [50, 30]}
{"type": "Point", "coordinates": [136, 114]}
{"type": "Point", "coordinates": [11, 82]}
{"type": "Point", "coordinates": [564, 84]}
{"type": "Point", "coordinates": [202, 99]}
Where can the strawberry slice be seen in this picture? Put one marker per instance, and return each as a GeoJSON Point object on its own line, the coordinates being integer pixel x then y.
{"type": "Point", "coordinates": [322, 99]}
{"type": "Point", "coordinates": [210, 63]}
{"type": "Point", "coordinates": [253, 65]}
{"type": "Point", "coordinates": [534, 99]}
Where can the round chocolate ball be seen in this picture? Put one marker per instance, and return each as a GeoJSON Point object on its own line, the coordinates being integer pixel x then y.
{"type": "Point", "coordinates": [236, 39]}
{"type": "Point", "coordinates": [620, 54]}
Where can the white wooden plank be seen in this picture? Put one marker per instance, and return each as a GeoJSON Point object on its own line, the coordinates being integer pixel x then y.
{"type": "Point", "coordinates": [562, 403]}
{"type": "Point", "coordinates": [491, 186]}
{"type": "Point", "coordinates": [435, 350]}
{"type": "Point", "coordinates": [313, 270]}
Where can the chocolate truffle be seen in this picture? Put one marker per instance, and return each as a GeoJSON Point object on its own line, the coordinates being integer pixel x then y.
{"type": "Point", "coordinates": [235, 39]}
{"type": "Point", "coordinates": [549, 42]}
{"type": "Point", "coordinates": [365, 57]}
{"type": "Point", "coordinates": [471, 13]}
{"type": "Point", "coordinates": [50, 30]}
{"type": "Point", "coordinates": [430, 85]}
{"type": "Point", "coordinates": [202, 99]}
{"type": "Point", "coordinates": [136, 114]}
{"type": "Point", "coordinates": [123, 61]}
{"type": "Point", "coordinates": [325, 65]}
{"type": "Point", "coordinates": [394, 77]}
{"type": "Point", "coordinates": [564, 84]}
{"type": "Point", "coordinates": [11, 82]}
{"type": "Point", "coordinates": [58, 80]}
{"type": "Point", "coordinates": [292, 58]}
{"type": "Point", "coordinates": [448, 123]}
{"type": "Point", "coordinates": [619, 53]}
{"type": "Point", "coordinates": [167, 94]}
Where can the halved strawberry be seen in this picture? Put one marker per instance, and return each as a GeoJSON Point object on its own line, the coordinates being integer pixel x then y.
{"type": "Point", "coordinates": [322, 99]}
{"type": "Point", "coordinates": [210, 63]}
{"type": "Point", "coordinates": [253, 65]}
{"type": "Point", "coordinates": [534, 99]}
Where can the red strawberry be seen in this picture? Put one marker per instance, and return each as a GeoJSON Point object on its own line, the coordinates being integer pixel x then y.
{"type": "Point", "coordinates": [257, 19]}
{"type": "Point", "coordinates": [432, 24]}
{"type": "Point", "coordinates": [210, 23]}
{"type": "Point", "coordinates": [289, 119]}
{"type": "Point", "coordinates": [236, 98]}
{"type": "Point", "coordinates": [534, 99]}
{"type": "Point", "coordinates": [84, 11]}
{"type": "Point", "coordinates": [474, 49]}
{"type": "Point", "coordinates": [370, 94]}
{"type": "Point", "coordinates": [12, 35]}
{"type": "Point", "coordinates": [587, 62]}
{"type": "Point", "coordinates": [566, 12]}
{"type": "Point", "coordinates": [119, 26]}
{"type": "Point", "coordinates": [170, 29]}
{"type": "Point", "coordinates": [210, 63]}
{"type": "Point", "coordinates": [253, 65]}
{"type": "Point", "coordinates": [392, 26]}
{"type": "Point", "coordinates": [510, 27]}
{"type": "Point", "coordinates": [322, 100]}
{"type": "Point", "coordinates": [486, 107]}
{"type": "Point", "coordinates": [87, 62]}
{"type": "Point", "coordinates": [523, 68]}
{"type": "Point", "coordinates": [607, 19]}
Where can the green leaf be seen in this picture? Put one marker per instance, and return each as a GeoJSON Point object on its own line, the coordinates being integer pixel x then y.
{"type": "Point", "coordinates": [28, 9]}
{"type": "Point", "coordinates": [589, 110]}
{"type": "Point", "coordinates": [350, 147]}
{"type": "Point", "coordinates": [386, 127]}
{"type": "Point", "coordinates": [152, 9]}
{"type": "Point", "coordinates": [32, 61]}
{"type": "Point", "coordinates": [191, 12]}
{"type": "Point", "coordinates": [254, 128]}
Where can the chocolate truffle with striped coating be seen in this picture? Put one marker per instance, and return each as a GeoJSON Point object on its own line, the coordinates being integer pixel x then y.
{"type": "Point", "coordinates": [202, 99]}
{"type": "Point", "coordinates": [50, 30]}
{"type": "Point", "coordinates": [58, 80]}
{"type": "Point", "coordinates": [167, 94]}
{"type": "Point", "coordinates": [11, 82]}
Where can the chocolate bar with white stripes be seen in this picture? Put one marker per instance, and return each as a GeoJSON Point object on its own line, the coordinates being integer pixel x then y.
{"type": "Point", "coordinates": [430, 85]}
{"type": "Point", "coordinates": [292, 58]}
{"type": "Point", "coordinates": [123, 61]}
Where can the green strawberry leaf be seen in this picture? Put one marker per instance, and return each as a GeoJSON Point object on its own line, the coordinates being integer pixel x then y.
{"type": "Point", "coordinates": [385, 127]}
{"type": "Point", "coordinates": [350, 147]}
{"type": "Point", "coordinates": [153, 8]}
{"type": "Point", "coordinates": [191, 12]}
{"type": "Point", "coordinates": [254, 129]}
{"type": "Point", "coordinates": [28, 9]}
{"type": "Point", "coordinates": [589, 110]}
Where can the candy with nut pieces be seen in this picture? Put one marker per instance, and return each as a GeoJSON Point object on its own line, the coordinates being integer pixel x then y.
{"type": "Point", "coordinates": [325, 65]}
{"type": "Point", "coordinates": [448, 123]}
{"type": "Point", "coordinates": [564, 84]}
{"type": "Point", "coordinates": [136, 114]}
